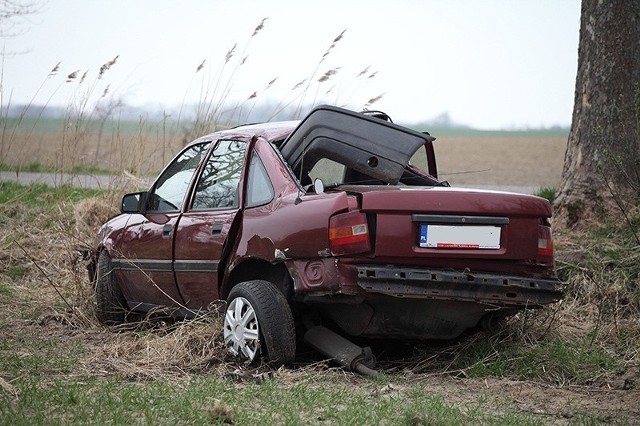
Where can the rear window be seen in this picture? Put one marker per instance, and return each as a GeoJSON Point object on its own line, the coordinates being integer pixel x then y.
{"type": "Point", "coordinates": [328, 171]}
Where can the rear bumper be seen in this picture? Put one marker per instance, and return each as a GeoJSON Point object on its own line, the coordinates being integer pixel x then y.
{"type": "Point", "coordinates": [497, 289]}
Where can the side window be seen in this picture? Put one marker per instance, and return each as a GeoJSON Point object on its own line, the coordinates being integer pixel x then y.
{"type": "Point", "coordinates": [259, 188]}
{"type": "Point", "coordinates": [419, 159]}
{"type": "Point", "coordinates": [172, 185]}
{"type": "Point", "coordinates": [328, 171]}
{"type": "Point", "coordinates": [217, 186]}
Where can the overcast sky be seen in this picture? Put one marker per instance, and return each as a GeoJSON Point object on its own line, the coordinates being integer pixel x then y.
{"type": "Point", "coordinates": [489, 64]}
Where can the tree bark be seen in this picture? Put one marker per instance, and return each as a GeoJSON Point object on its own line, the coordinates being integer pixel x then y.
{"type": "Point", "coordinates": [601, 174]}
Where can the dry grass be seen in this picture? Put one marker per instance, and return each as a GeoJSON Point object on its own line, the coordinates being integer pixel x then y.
{"type": "Point", "coordinates": [155, 350]}
{"type": "Point", "coordinates": [57, 290]}
{"type": "Point", "coordinates": [142, 154]}
{"type": "Point", "coordinates": [154, 346]}
{"type": "Point", "coordinates": [90, 214]}
{"type": "Point", "coordinates": [601, 268]}
{"type": "Point", "coordinates": [54, 290]}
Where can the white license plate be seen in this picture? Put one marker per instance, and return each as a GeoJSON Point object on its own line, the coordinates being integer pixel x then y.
{"type": "Point", "coordinates": [459, 237]}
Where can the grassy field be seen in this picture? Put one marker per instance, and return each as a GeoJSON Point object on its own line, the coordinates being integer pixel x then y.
{"type": "Point", "coordinates": [574, 363]}
{"type": "Point", "coordinates": [465, 157]}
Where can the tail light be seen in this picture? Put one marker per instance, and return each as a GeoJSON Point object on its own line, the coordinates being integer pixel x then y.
{"type": "Point", "coordinates": [349, 233]}
{"type": "Point", "coordinates": [545, 244]}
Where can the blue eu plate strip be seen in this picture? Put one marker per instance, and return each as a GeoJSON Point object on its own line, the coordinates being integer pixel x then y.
{"type": "Point", "coordinates": [423, 234]}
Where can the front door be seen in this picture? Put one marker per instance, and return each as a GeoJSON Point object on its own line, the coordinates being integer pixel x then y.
{"type": "Point", "coordinates": [205, 226]}
{"type": "Point", "coordinates": [145, 269]}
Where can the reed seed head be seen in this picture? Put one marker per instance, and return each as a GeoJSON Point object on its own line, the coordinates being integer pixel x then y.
{"type": "Point", "coordinates": [105, 67]}
{"type": "Point", "coordinates": [339, 37]}
{"type": "Point", "coordinates": [72, 76]}
{"type": "Point", "coordinates": [259, 27]}
{"type": "Point", "coordinates": [364, 71]}
{"type": "Point", "coordinates": [327, 75]}
{"type": "Point", "coordinates": [230, 53]}
{"type": "Point", "coordinates": [271, 83]}
{"type": "Point", "coordinates": [374, 100]}
{"type": "Point", "coordinates": [55, 69]}
{"type": "Point", "coordinates": [333, 44]}
{"type": "Point", "coordinates": [299, 84]}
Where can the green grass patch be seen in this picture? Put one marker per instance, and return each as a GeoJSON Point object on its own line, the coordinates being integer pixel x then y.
{"type": "Point", "coordinates": [31, 167]}
{"type": "Point", "coordinates": [549, 193]}
{"type": "Point", "coordinates": [16, 271]}
{"type": "Point", "coordinates": [27, 356]}
{"type": "Point", "coordinates": [42, 195]}
{"type": "Point", "coordinates": [210, 400]}
{"type": "Point", "coordinates": [43, 168]}
{"type": "Point", "coordinates": [577, 361]}
{"type": "Point", "coordinates": [6, 289]}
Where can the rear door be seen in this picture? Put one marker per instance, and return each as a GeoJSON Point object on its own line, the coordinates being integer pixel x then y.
{"type": "Point", "coordinates": [204, 229]}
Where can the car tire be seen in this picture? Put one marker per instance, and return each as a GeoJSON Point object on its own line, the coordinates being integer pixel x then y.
{"type": "Point", "coordinates": [258, 323]}
{"type": "Point", "coordinates": [110, 304]}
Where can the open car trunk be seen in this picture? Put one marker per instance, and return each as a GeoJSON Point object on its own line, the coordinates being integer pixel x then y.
{"type": "Point", "coordinates": [373, 147]}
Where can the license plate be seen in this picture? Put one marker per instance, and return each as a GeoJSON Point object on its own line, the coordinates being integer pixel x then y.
{"type": "Point", "coordinates": [459, 237]}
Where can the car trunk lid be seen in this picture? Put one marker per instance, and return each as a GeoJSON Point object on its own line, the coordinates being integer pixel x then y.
{"type": "Point", "coordinates": [371, 146]}
{"type": "Point", "coordinates": [457, 228]}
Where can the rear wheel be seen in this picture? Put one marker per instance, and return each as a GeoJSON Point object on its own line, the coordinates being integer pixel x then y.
{"type": "Point", "coordinates": [109, 302]}
{"type": "Point", "coordinates": [258, 322]}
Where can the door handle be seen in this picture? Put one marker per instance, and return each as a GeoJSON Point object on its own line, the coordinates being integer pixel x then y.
{"type": "Point", "coordinates": [217, 228]}
{"type": "Point", "coordinates": [166, 231]}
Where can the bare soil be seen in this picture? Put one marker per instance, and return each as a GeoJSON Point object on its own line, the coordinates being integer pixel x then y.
{"type": "Point", "coordinates": [516, 160]}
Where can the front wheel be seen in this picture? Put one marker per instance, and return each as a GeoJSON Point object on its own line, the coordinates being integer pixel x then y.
{"type": "Point", "coordinates": [258, 322]}
{"type": "Point", "coordinates": [109, 301]}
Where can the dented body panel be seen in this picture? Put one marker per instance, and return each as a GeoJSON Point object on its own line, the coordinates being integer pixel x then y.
{"type": "Point", "coordinates": [387, 251]}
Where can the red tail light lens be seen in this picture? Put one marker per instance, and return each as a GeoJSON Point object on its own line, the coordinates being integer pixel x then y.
{"type": "Point", "coordinates": [545, 244]}
{"type": "Point", "coordinates": [349, 234]}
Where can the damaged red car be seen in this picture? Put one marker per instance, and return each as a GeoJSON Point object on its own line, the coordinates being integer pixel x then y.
{"type": "Point", "coordinates": [325, 221]}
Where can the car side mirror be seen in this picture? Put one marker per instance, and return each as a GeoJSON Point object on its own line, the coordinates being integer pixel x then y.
{"type": "Point", "coordinates": [318, 186]}
{"type": "Point", "coordinates": [132, 203]}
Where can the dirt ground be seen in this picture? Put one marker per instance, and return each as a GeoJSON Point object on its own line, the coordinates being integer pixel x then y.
{"type": "Point", "coordinates": [507, 159]}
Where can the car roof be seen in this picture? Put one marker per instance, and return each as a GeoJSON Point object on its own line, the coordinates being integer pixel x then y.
{"type": "Point", "coordinates": [271, 131]}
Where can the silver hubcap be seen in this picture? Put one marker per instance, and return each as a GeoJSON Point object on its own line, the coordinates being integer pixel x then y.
{"type": "Point", "coordinates": [241, 329]}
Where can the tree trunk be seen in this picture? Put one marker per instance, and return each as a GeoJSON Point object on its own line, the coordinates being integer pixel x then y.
{"type": "Point", "coordinates": [601, 174]}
